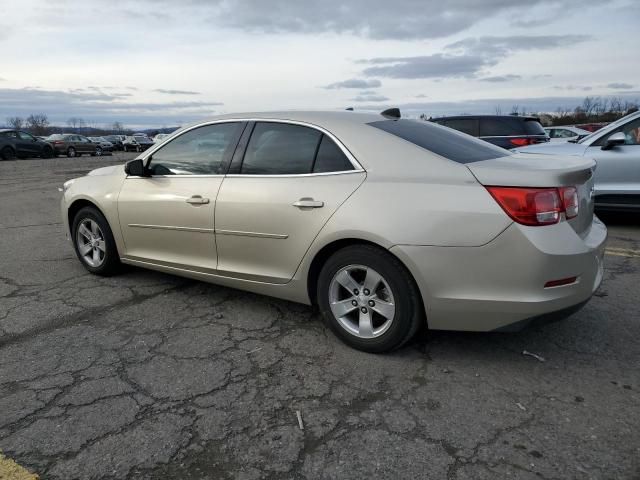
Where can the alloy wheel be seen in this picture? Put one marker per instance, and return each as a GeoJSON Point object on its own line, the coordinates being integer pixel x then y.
{"type": "Point", "coordinates": [90, 242]}
{"type": "Point", "coordinates": [361, 301]}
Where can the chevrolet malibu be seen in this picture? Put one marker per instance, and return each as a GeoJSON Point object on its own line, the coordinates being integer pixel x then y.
{"type": "Point", "coordinates": [385, 224]}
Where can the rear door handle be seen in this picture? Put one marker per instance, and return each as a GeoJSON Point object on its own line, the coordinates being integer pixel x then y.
{"type": "Point", "coordinates": [308, 203]}
{"type": "Point", "coordinates": [197, 200]}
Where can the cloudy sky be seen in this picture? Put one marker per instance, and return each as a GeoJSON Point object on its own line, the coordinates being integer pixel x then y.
{"type": "Point", "coordinates": [161, 63]}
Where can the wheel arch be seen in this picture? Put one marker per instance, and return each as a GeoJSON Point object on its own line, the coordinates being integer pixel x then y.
{"type": "Point", "coordinates": [78, 205]}
{"type": "Point", "coordinates": [330, 248]}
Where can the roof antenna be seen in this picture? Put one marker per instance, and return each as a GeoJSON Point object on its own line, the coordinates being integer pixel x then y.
{"type": "Point", "coordinates": [391, 113]}
{"type": "Point", "coordinates": [349, 109]}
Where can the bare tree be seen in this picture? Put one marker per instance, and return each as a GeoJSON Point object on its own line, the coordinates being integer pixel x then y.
{"type": "Point", "coordinates": [117, 127]}
{"type": "Point", "coordinates": [15, 122]}
{"type": "Point", "coordinates": [498, 110]}
{"type": "Point", "coordinates": [38, 123]}
{"type": "Point", "coordinates": [73, 123]}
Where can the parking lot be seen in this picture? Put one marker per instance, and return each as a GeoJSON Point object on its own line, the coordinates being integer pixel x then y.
{"type": "Point", "coordinates": [146, 375]}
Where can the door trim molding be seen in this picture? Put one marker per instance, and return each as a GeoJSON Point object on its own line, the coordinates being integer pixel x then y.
{"type": "Point", "coordinates": [238, 233]}
{"type": "Point", "coordinates": [171, 227]}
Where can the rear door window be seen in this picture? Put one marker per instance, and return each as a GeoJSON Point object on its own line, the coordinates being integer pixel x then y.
{"type": "Point", "coordinates": [330, 158]}
{"type": "Point", "coordinates": [280, 149]}
{"type": "Point", "coordinates": [446, 142]}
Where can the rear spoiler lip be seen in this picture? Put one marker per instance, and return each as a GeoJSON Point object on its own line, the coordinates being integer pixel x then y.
{"type": "Point", "coordinates": [506, 171]}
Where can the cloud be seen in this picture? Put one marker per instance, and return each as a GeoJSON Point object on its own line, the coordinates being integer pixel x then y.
{"type": "Point", "coordinates": [488, 106]}
{"type": "Point", "coordinates": [465, 58]}
{"type": "Point", "coordinates": [500, 78]}
{"type": "Point", "coordinates": [376, 19]}
{"type": "Point", "coordinates": [489, 46]}
{"type": "Point", "coordinates": [98, 107]}
{"type": "Point", "coordinates": [354, 83]}
{"type": "Point", "coordinates": [427, 66]}
{"type": "Point", "coordinates": [176, 92]}
{"type": "Point", "coordinates": [370, 98]}
{"type": "Point", "coordinates": [584, 88]}
{"type": "Point", "coordinates": [620, 86]}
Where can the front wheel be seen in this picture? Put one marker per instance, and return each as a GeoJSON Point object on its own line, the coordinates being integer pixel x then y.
{"type": "Point", "coordinates": [47, 152]}
{"type": "Point", "coordinates": [369, 299]}
{"type": "Point", "coordinates": [94, 243]}
{"type": "Point", "coordinates": [98, 152]}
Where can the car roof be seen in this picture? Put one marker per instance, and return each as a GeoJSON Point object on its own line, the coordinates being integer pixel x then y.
{"type": "Point", "coordinates": [309, 116]}
{"type": "Point", "coordinates": [8, 130]}
{"type": "Point", "coordinates": [456, 117]}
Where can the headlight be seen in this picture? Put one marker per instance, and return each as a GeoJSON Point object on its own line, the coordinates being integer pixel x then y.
{"type": "Point", "coordinates": [66, 185]}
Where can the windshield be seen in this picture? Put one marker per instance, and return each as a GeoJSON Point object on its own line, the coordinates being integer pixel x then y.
{"type": "Point", "coordinates": [609, 127]}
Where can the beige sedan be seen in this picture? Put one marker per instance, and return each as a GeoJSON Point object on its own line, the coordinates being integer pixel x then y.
{"type": "Point", "coordinates": [388, 225]}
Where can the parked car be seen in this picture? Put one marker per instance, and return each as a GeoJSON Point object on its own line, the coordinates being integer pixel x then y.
{"type": "Point", "coordinates": [161, 136]}
{"type": "Point", "coordinates": [136, 143]}
{"type": "Point", "coordinates": [116, 140]}
{"type": "Point", "coordinates": [73, 145]}
{"type": "Point", "coordinates": [105, 144]}
{"type": "Point", "coordinates": [566, 133]}
{"type": "Point", "coordinates": [387, 224]}
{"type": "Point", "coordinates": [506, 131]}
{"type": "Point", "coordinates": [16, 143]}
{"type": "Point", "coordinates": [616, 149]}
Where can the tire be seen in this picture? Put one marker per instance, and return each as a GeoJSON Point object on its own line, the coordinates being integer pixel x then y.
{"type": "Point", "coordinates": [98, 152]}
{"type": "Point", "coordinates": [71, 152]}
{"type": "Point", "coordinates": [395, 290]}
{"type": "Point", "coordinates": [108, 261]}
{"type": "Point", "coordinates": [7, 153]}
{"type": "Point", "coordinates": [47, 152]}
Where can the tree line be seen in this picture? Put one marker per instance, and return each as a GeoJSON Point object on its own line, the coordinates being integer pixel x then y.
{"type": "Point", "coordinates": [38, 124]}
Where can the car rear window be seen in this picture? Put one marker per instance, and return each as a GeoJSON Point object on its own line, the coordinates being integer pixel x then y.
{"type": "Point", "coordinates": [509, 126]}
{"type": "Point", "coordinates": [446, 142]}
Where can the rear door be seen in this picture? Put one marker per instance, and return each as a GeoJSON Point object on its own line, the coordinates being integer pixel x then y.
{"type": "Point", "coordinates": [283, 187]}
{"type": "Point", "coordinates": [168, 217]}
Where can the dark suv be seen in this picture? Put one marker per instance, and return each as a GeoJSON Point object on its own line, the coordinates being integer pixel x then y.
{"type": "Point", "coordinates": [506, 131]}
{"type": "Point", "coordinates": [14, 143]}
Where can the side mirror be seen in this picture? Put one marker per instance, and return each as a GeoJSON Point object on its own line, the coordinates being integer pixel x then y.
{"type": "Point", "coordinates": [136, 168]}
{"type": "Point", "coordinates": [614, 140]}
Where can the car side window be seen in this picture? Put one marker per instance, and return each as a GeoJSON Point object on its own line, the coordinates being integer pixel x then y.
{"type": "Point", "coordinates": [631, 134]}
{"type": "Point", "coordinates": [330, 158]}
{"type": "Point", "coordinates": [25, 136]}
{"type": "Point", "coordinates": [201, 151]}
{"type": "Point", "coordinates": [280, 149]}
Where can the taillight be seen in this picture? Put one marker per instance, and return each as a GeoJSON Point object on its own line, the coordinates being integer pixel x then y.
{"type": "Point", "coordinates": [570, 201]}
{"type": "Point", "coordinates": [520, 142]}
{"type": "Point", "coordinates": [536, 206]}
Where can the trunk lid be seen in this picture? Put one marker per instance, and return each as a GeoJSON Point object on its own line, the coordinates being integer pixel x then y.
{"type": "Point", "coordinates": [531, 170]}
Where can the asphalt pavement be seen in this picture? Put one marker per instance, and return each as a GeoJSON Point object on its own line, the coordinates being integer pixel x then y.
{"type": "Point", "coordinates": [146, 375]}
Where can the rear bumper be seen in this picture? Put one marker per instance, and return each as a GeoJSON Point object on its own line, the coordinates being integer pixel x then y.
{"type": "Point", "coordinates": [500, 285]}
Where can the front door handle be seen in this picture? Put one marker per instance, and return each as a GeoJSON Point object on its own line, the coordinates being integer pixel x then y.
{"type": "Point", "coordinates": [308, 203]}
{"type": "Point", "coordinates": [197, 200]}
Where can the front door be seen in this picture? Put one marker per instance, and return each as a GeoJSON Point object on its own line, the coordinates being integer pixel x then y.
{"type": "Point", "coordinates": [27, 145]}
{"type": "Point", "coordinates": [167, 218]}
{"type": "Point", "coordinates": [291, 180]}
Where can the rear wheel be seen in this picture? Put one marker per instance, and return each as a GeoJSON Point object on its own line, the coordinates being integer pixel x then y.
{"type": "Point", "coordinates": [71, 152]}
{"type": "Point", "coordinates": [7, 153]}
{"type": "Point", "coordinates": [94, 243]}
{"type": "Point", "coordinates": [369, 299]}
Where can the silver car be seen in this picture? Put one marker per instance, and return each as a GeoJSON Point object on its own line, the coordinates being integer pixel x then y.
{"type": "Point", "coordinates": [388, 225]}
{"type": "Point", "coordinates": [616, 149]}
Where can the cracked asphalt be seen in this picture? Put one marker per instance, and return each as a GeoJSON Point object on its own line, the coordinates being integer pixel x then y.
{"type": "Point", "coordinates": [146, 375]}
